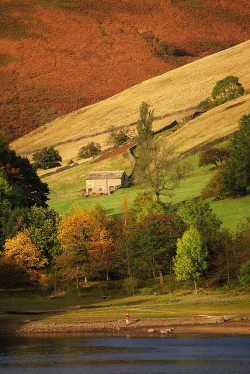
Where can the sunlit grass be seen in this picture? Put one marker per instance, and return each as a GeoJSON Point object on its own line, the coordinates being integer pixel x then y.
{"type": "Point", "coordinates": [78, 309]}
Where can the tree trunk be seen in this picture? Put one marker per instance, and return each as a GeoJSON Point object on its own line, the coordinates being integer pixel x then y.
{"type": "Point", "coordinates": [161, 279]}
{"type": "Point", "coordinates": [195, 286]}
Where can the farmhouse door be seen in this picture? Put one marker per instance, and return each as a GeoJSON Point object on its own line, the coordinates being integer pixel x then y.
{"type": "Point", "coordinates": [90, 190]}
{"type": "Point", "coordinates": [111, 188]}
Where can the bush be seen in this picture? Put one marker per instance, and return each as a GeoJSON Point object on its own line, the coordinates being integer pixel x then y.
{"type": "Point", "coordinates": [117, 137]}
{"type": "Point", "coordinates": [89, 150]}
{"type": "Point", "coordinates": [227, 89]}
{"type": "Point", "coordinates": [47, 158]}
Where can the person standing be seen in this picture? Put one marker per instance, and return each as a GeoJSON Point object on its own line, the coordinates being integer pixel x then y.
{"type": "Point", "coordinates": [127, 318]}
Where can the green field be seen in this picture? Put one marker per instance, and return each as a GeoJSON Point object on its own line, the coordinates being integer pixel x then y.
{"type": "Point", "coordinates": [79, 308]}
{"type": "Point", "coordinates": [231, 211]}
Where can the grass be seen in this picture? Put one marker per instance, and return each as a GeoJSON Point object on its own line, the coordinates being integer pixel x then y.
{"type": "Point", "coordinates": [73, 309]}
{"type": "Point", "coordinates": [190, 84]}
{"type": "Point", "coordinates": [231, 211]}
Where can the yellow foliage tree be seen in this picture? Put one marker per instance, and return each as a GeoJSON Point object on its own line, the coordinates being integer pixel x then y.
{"type": "Point", "coordinates": [22, 260]}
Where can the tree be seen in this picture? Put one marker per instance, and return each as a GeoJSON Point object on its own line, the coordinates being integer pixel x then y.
{"type": "Point", "coordinates": [117, 137]}
{"type": "Point", "coordinates": [190, 261]}
{"type": "Point", "coordinates": [235, 176]}
{"type": "Point", "coordinates": [74, 235]}
{"type": "Point", "coordinates": [214, 156]}
{"type": "Point", "coordinates": [47, 158]}
{"type": "Point", "coordinates": [155, 244]}
{"type": "Point", "coordinates": [154, 164]}
{"type": "Point", "coordinates": [145, 205]}
{"type": "Point", "coordinates": [244, 277]}
{"type": "Point", "coordinates": [23, 261]}
{"type": "Point", "coordinates": [144, 125]}
{"type": "Point", "coordinates": [227, 89]}
{"type": "Point", "coordinates": [89, 150]}
{"type": "Point", "coordinates": [198, 213]}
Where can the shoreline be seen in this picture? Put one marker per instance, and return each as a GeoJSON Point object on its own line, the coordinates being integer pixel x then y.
{"type": "Point", "coordinates": [217, 326]}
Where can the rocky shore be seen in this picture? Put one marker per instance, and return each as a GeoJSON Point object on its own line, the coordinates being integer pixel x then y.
{"type": "Point", "coordinates": [231, 325]}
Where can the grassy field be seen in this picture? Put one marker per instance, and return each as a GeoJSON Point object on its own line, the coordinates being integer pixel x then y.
{"type": "Point", "coordinates": [231, 211]}
{"type": "Point", "coordinates": [78, 308]}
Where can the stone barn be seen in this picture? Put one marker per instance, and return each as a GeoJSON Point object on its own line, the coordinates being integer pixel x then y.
{"type": "Point", "coordinates": [105, 182]}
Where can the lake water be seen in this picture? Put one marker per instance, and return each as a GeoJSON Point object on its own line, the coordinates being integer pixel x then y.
{"type": "Point", "coordinates": [90, 355]}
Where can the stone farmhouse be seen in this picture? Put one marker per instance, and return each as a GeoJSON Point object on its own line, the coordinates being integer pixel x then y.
{"type": "Point", "coordinates": [105, 182]}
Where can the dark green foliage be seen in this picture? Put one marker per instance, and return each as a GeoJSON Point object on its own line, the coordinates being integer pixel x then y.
{"type": "Point", "coordinates": [89, 150]}
{"type": "Point", "coordinates": [27, 188]}
{"type": "Point", "coordinates": [213, 156]}
{"type": "Point", "coordinates": [117, 137]}
{"type": "Point", "coordinates": [144, 126]}
{"type": "Point", "coordinates": [4, 150]}
{"type": "Point", "coordinates": [34, 190]}
{"type": "Point", "coordinates": [227, 89]}
{"type": "Point", "coordinates": [235, 175]}
{"type": "Point", "coordinates": [154, 244]}
{"type": "Point", "coordinates": [47, 158]}
{"type": "Point", "coordinates": [244, 277]}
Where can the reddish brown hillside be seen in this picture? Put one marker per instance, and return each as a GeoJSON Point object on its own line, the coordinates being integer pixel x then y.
{"type": "Point", "coordinates": [55, 60]}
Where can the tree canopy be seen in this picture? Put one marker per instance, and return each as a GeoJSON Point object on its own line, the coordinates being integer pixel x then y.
{"type": "Point", "coordinates": [47, 158]}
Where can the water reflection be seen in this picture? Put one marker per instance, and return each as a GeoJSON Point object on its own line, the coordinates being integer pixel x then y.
{"type": "Point", "coordinates": [79, 354]}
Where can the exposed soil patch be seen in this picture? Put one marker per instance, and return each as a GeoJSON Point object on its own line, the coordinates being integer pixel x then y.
{"type": "Point", "coordinates": [200, 325]}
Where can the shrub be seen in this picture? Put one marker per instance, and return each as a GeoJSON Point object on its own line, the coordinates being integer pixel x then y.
{"type": "Point", "coordinates": [89, 150]}
{"type": "Point", "coordinates": [227, 89]}
{"type": "Point", "coordinates": [47, 158]}
{"type": "Point", "coordinates": [117, 137]}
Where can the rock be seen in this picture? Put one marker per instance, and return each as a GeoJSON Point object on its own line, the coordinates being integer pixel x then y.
{"type": "Point", "coordinates": [151, 330]}
{"type": "Point", "coordinates": [167, 331]}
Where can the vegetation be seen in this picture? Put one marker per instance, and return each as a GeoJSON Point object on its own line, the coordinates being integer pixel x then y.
{"type": "Point", "coordinates": [47, 158]}
{"type": "Point", "coordinates": [190, 261]}
{"type": "Point", "coordinates": [154, 164]}
{"type": "Point", "coordinates": [117, 137]}
{"type": "Point", "coordinates": [89, 150]}
{"type": "Point", "coordinates": [227, 89]}
{"type": "Point", "coordinates": [233, 179]}
{"type": "Point", "coordinates": [214, 156]}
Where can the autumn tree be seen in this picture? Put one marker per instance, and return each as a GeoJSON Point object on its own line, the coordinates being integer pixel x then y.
{"type": "Point", "coordinates": [22, 260]}
{"type": "Point", "coordinates": [190, 261]}
{"type": "Point", "coordinates": [74, 235]}
{"type": "Point", "coordinates": [101, 246]}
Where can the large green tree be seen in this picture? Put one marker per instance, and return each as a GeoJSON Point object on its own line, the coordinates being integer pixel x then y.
{"type": "Point", "coordinates": [235, 175]}
{"type": "Point", "coordinates": [190, 261]}
{"type": "Point", "coordinates": [155, 244]}
{"type": "Point", "coordinates": [47, 158]}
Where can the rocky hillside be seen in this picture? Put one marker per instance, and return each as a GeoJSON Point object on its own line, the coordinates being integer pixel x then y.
{"type": "Point", "coordinates": [59, 56]}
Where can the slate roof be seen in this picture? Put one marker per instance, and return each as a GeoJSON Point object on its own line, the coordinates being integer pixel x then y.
{"type": "Point", "coordinates": [117, 174]}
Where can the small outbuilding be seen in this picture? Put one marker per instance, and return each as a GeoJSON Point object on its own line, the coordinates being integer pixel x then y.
{"type": "Point", "coordinates": [105, 182]}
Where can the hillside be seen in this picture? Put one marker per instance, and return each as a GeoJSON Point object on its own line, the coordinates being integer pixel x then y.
{"type": "Point", "coordinates": [60, 56]}
{"type": "Point", "coordinates": [171, 95]}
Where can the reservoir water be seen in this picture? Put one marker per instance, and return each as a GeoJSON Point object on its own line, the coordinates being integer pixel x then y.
{"type": "Point", "coordinates": [91, 355]}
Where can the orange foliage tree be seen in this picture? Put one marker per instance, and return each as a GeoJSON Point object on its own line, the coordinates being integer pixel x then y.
{"type": "Point", "coordinates": [86, 241]}
{"type": "Point", "coordinates": [23, 261]}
